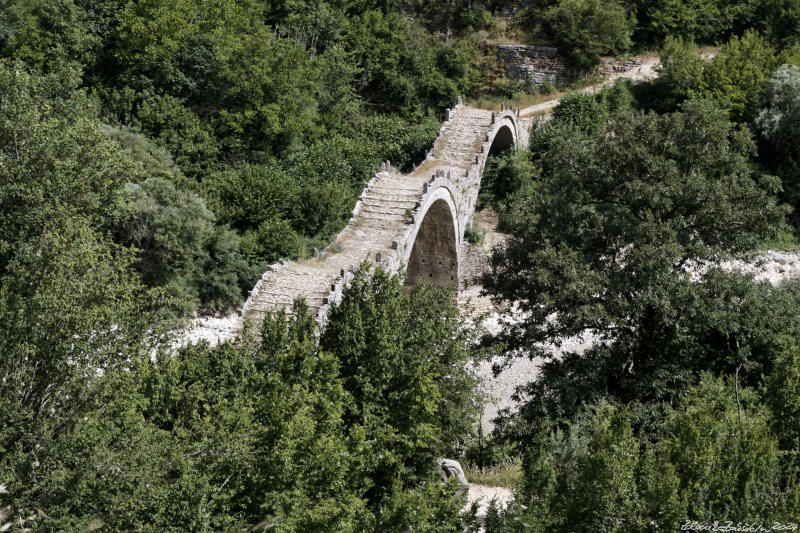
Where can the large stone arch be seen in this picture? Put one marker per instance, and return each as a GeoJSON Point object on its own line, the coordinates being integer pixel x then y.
{"type": "Point", "coordinates": [433, 245]}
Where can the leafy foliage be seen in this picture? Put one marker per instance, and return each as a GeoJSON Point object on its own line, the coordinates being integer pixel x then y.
{"type": "Point", "coordinates": [504, 176]}
{"type": "Point", "coordinates": [739, 74]}
{"type": "Point", "coordinates": [680, 73]}
{"type": "Point", "coordinates": [606, 241]}
{"type": "Point", "coordinates": [181, 248]}
{"type": "Point", "coordinates": [55, 163]}
{"type": "Point", "coordinates": [91, 316]}
{"type": "Point", "coordinates": [280, 430]}
{"type": "Point", "coordinates": [587, 29]}
{"type": "Point", "coordinates": [715, 460]}
{"type": "Point", "coordinates": [404, 364]}
{"type": "Point", "coordinates": [182, 146]}
{"type": "Point", "coordinates": [779, 124]}
{"type": "Point", "coordinates": [682, 406]}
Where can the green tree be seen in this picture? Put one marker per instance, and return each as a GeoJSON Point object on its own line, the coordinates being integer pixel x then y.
{"type": "Point", "coordinates": [256, 89]}
{"type": "Point", "coordinates": [725, 455]}
{"type": "Point", "coordinates": [777, 20]}
{"type": "Point", "coordinates": [404, 67]}
{"type": "Point", "coordinates": [403, 142]}
{"type": "Point", "coordinates": [181, 248]}
{"type": "Point", "coordinates": [504, 176]}
{"type": "Point", "coordinates": [705, 21]}
{"type": "Point", "coordinates": [47, 33]}
{"type": "Point", "coordinates": [55, 162]}
{"type": "Point", "coordinates": [583, 30]}
{"type": "Point", "coordinates": [260, 433]}
{"type": "Point", "coordinates": [782, 388]}
{"type": "Point", "coordinates": [247, 197]}
{"type": "Point", "coordinates": [583, 111]}
{"type": "Point", "coordinates": [680, 73]}
{"type": "Point", "coordinates": [181, 132]}
{"type": "Point", "coordinates": [274, 239]}
{"type": "Point", "coordinates": [71, 309]}
{"type": "Point", "coordinates": [600, 453]}
{"type": "Point", "coordinates": [737, 77]}
{"type": "Point", "coordinates": [404, 357]}
{"type": "Point", "coordinates": [714, 458]}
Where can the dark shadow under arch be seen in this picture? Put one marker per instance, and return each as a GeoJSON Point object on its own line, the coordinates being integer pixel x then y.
{"type": "Point", "coordinates": [503, 140]}
{"type": "Point", "coordinates": [434, 256]}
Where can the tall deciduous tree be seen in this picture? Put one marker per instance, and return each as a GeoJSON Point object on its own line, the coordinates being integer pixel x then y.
{"type": "Point", "coordinates": [404, 358]}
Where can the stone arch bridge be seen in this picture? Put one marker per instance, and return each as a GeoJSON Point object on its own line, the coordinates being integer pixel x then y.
{"type": "Point", "coordinates": [414, 220]}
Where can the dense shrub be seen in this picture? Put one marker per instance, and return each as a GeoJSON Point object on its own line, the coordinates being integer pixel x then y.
{"type": "Point", "coordinates": [273, 239]}
{"type": "Point", "coordinates": [181, 248]}
{"type": "Point", "coordinates": [504, 176]}
{"type": "Point", "coordinates": [580, 110]}
{"type": "Point", "coordinates": [716, 459]}
{"type": "Point", "coordinates": [737, 77]}
{"type": "Point", "coordinates": [680, 74]}
{"type": "Point", "coordinates": [181, 132]}
{"type": "Point", "coordinates": [586, 29]}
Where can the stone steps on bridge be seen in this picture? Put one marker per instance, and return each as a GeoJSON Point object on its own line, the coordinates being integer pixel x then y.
{"type": "Point", "coordinates": [391, 199]}
{"type": "Point", "coordinates": [383, 215]}
{"type": "Point", "coordinates": [384, 195]}
{"type": "Point", "coordinates": [397, 189]}
{"type": "Point", "coordinates": [378, 202]}
{"type": "Point", "coordinates": [463, 137]}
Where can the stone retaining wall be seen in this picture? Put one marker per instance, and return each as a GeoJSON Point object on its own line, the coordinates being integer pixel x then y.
{"type": "Point", "coordinates": [541, 64]}
{"type": "Point", "coordinates": [538, 64]}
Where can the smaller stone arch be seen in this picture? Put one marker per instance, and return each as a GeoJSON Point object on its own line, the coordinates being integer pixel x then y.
{"type": "Point", "coordinates": [503, 140]}
{"type": "Point", "coordinates": [503, 135]}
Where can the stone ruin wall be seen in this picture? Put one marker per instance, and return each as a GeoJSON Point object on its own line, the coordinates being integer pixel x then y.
{"type": "Point", "coordinates": [541, 64]}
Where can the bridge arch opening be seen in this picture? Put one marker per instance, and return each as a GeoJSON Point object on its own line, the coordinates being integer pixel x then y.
{"type": "Point", "coordinates": [434, 255]}
{"type": "Point", "coordinates": [496, 183]}
{"type": "Point", "coordinates": [503, 140]}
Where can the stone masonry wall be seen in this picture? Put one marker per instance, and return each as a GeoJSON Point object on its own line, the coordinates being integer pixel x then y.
{"type": "Point", "coordinates": [541, 64]}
